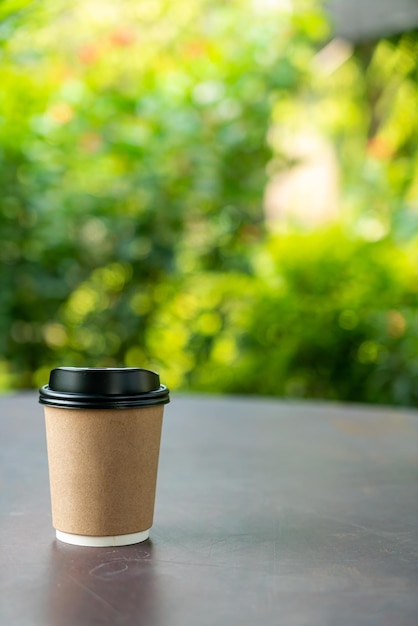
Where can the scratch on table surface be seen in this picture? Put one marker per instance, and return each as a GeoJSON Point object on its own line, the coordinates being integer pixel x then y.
{"type": "Point", "coordinates": [214, 566]}
{"type": "Point", "coordinates": [108, 571]}
{"type": "Point", "coordinates": [216, 542]}
{"type": "Point", "coordinates": [94, 594]}
{"type": "Point", "coordinates": [384, 534]}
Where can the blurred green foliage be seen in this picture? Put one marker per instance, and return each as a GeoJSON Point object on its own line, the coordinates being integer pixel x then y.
{"type": "Point", "coordinates": [135, 146]}
{"type": "Point", "coordinates": [321, 316]}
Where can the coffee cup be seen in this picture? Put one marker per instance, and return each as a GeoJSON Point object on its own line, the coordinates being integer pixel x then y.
{"type": "Point", "coordinates": [103, 429]}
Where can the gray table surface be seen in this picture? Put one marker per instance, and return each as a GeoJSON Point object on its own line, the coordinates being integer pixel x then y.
{"type": "Point", "coordinates": [267, 513]}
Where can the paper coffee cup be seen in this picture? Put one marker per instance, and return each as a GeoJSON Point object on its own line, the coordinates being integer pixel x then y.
{"type": "Point", "coordinates": [103, 429]}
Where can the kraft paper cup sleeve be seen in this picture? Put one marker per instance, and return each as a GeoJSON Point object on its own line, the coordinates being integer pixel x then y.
{"type": "Point", "coordinates": [103, 469]}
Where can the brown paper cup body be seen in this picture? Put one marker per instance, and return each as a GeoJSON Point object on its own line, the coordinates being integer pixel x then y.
{"type": "Point", "coordinates": [103, 468]}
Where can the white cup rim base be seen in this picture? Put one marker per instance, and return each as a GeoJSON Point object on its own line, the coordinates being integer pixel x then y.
{"type": "Point", "coordinates": [103, 542]}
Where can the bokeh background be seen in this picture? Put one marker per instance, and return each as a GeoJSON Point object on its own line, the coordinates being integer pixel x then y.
{"type": "Point", "coordinates": [226, 192]}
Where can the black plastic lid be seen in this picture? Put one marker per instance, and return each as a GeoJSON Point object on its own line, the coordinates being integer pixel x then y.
{"type": "Point", "coordinates": [103, 388]}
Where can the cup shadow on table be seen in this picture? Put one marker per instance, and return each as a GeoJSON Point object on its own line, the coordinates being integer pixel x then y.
{"type": "Point", "coordinates": [102, 585]}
